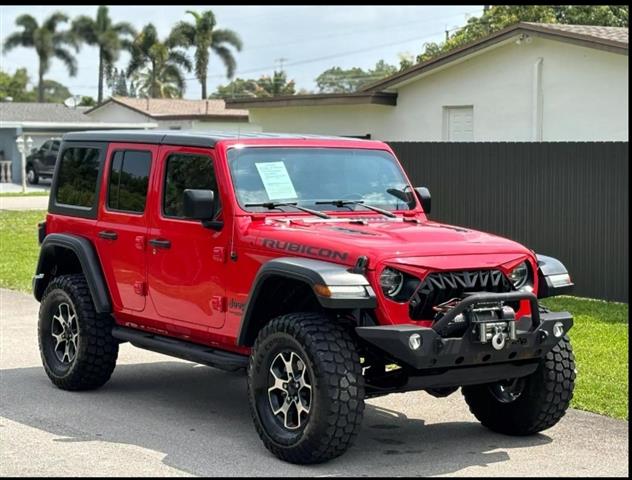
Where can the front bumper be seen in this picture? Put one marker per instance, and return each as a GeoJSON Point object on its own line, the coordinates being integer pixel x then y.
{"type": "Point", "coordinates": [436, 352]}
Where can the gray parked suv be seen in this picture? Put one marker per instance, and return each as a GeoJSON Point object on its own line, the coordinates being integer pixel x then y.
{"type": "Point", "coordinates": [41, 163]}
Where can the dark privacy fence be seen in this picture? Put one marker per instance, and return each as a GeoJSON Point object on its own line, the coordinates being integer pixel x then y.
{"type": "Point", "coordinates": [566, 200]}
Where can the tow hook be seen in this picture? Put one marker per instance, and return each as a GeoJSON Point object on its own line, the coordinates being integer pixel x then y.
{"type": "Point", "coordinates": [495, 325]}
{"type": "Point", "coordinates": [498, 340]}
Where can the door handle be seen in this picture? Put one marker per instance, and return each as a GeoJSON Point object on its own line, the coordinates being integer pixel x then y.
{"type": "Point", "coordinates": [108, 235]}
{"type": "Point", "coordinates": [160, 243]}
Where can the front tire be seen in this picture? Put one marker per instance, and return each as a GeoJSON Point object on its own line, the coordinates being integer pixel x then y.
{"type": "Point", "coordinates": [76, 344]}
{"type": "Point", "coordinates": [31, 175]}
{"type": "Point", "coordinates": [531, 404]}
{"type": "Point", "coordinates": [305, 388]}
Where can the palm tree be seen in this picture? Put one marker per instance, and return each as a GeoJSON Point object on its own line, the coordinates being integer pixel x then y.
{"type": "Point", "coordinates": [105, 35]}
{"type": "Point", "coordinates": [205, 38]}
{"type": "Point", "coordinates": [47, 42]}
{"type": "Point", "coordinates": [157, 65]}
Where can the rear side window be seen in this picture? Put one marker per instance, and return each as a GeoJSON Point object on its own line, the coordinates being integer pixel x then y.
{"type": "Point", "coordinates": [128, 182]}
{"type": "Point", "coordinates": [186, 171]}
{"type": "Point", "coordinates": [77, 177]}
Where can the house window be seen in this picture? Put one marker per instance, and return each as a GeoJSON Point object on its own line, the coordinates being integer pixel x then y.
{"type": "Point", "coordinates": [458, 124]}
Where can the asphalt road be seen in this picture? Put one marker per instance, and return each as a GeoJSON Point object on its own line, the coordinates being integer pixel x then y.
{"type": "Point", "coordinates": [159, 416]}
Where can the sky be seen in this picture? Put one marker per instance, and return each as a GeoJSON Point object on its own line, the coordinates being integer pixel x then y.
{"type": "Point", "coordinates": [305, 40]}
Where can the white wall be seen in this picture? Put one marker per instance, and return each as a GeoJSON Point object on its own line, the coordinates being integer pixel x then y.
{"type": "Point", "coordinates": [584, 98]}
{"type": "Point", "coordinates": [226, 126]}
{"type": "Point", "coordinates": [354, 120]}
{"type": "Point", "coordinates": [112, 112]}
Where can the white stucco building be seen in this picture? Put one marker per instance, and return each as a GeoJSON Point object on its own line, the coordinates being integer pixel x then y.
{"type": "Point", "coordinates": [174, 114]}
{"type": "Point", "coordinates": [528, 82]}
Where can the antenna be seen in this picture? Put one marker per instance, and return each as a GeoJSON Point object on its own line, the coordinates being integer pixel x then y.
{"type": "Point", "coordinates": [280, 61]}
{"type": "Point", "coordinates": [73, 102]}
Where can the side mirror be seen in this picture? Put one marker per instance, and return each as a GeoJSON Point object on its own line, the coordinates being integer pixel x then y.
{"type": "Point", "coordinates": [200, 205]}
{"type": "Point", "coordinates": [423, 194]}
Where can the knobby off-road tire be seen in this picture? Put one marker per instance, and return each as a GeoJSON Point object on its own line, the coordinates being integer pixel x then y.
{"type": "Point", "coordinates": [331, 366]}
{"type": "Point", "coordinates": [86, 359]}
{"type": "Point", "coordinates": [542, 402]}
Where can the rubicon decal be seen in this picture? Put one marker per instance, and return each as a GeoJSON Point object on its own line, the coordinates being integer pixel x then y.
{"type": "Point", "coordinates": [304, 249]}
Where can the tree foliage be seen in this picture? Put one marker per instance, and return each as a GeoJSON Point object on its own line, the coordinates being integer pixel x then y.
{"type": "Point", "coordinates": [205, 38]}
{"type": "Point", "coordinates": [49, 43]}
{"type": "Point", "coordinates": [108, 37]}
{"type": "Point", "coordinates": [87, 101]}
{"type": "Point", "coordinates": [339, 80]}
{"type": "Point", "coordinates": [157, 66]}
{"type": "Point", "coordinates": [265, 86]}
{"type": "Point", "coordinates": [498, 17]}
{"type": "Point", "coordinates": [14, 87]}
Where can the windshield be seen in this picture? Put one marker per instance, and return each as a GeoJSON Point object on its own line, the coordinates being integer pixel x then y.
{"type": "Point", "coordinates": [315, 177]}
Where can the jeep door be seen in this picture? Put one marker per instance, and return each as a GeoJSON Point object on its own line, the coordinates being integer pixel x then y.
{"type": "Point", "coordinates": [123, 223]}
{"type": "Point", "coordinates": [186, 261]}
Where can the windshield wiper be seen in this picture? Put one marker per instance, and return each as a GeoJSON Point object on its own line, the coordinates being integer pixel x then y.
{"type": "Point", "coordinates": [342, 203]}
{"type": "Point", "coordinates": [271, 205]}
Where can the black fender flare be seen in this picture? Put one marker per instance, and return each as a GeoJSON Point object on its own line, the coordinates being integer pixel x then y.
{"type": "Point", "coordinates": [553, 277]}
{"type": "Point", "coordinates": [311, 272]}
{"type": "Point", "coordinates": [88, 259]}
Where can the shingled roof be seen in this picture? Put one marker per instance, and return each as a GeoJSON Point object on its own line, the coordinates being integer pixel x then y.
{"type": "Point", "coordinates": [164, 108]}
{"type": "Point", "coordinates": [40, 112]}
{"type": "Point", "coordinates": [614, 34]}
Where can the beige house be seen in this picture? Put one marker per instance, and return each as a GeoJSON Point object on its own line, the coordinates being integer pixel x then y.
{"type": "Point", "coordinates": [528, 82]}
{"type": "Point", "coordinates": [174, 114]}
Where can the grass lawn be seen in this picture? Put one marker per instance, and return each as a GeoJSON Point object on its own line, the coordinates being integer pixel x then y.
{"type": "Point", "coordinates": [38, 193]}
{"type": "Point", "coordinates": [600, 342]}
{"type": "Point", "coordinates": [599, 336]}
{"type": "Point", "coordinates": [18, 247]}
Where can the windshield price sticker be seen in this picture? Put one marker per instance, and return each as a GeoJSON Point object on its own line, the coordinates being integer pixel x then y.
{"type": "Point", "coordinates": [276, 180]}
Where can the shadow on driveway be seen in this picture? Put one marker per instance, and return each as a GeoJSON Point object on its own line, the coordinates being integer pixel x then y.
{"type": "Point", "coordinates": [199, 418]}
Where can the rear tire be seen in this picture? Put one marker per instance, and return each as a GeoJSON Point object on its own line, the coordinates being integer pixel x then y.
{"type": "Point", "coordinates": [76, 344]}
{"type": "Point", "coordinates": [322, 420]}
{"type": "Point", "coordinates": [31, 175]}
{"type": "Point", "coordinates": [539, 403]}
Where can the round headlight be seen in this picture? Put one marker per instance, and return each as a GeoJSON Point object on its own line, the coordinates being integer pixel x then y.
{"type": "Point", "coordinates": [519, 276]}
{"type": "Point", "coordinates": [391, 281]}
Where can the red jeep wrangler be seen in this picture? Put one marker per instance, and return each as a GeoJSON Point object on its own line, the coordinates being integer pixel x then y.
{"type": "Point", "coordinates": [310, 262]}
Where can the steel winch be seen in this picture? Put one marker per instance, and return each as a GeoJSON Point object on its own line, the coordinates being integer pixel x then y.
{"type": "Point", "coordinates": [490, 322]}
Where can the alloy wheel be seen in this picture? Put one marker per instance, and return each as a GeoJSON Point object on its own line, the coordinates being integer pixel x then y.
{"type": "Point", "coordinates": [65, 333]}
{"type": "Point", "coordinates": [290, 391]}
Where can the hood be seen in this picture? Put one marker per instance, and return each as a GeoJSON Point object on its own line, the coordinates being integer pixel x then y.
{"type": "Point", "coordinates": [343, 240]}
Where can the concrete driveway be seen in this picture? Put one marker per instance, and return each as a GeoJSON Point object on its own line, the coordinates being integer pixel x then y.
{"type": "Point", "coordinates": [159, 416]}
{"type": "Point", "coordinates": [24, 203]}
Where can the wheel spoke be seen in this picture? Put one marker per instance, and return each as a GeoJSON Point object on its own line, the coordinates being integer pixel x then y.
{"type": "Point", "coordinates": [66, 352]}
{"type": "Point", "coordinates": [300, 407]}
{"type": "Point", "coordinates": [288, 366]}
{"type": "Point", "coordinates": [58, 338]}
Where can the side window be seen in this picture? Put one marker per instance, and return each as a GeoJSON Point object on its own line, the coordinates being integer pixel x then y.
{"type": "Point", "coordinates": [77, 177]}
{"type": "Point", "coordinates": [45, 146]}
{"type": "Point", "coordinates": [55, 147]}
{"type": "Point", "coordinates": [128, 181]}
{"type": "Point", "coordinates": [186, 171]}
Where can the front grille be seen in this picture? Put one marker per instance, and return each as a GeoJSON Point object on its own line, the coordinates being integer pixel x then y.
{"type": "Point", "coordinates": [439, 287]}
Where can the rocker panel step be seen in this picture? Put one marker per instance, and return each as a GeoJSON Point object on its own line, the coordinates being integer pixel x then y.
{"type": "Point", "coordinates": [179, 348]}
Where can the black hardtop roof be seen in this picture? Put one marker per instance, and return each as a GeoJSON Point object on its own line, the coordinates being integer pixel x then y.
{"type": "Point", "coordinates": [191, 138]}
